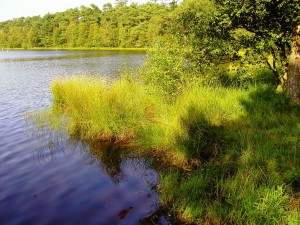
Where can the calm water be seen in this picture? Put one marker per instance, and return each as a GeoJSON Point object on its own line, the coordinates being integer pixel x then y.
{"type": "Point", "coordinates": [53, 179]}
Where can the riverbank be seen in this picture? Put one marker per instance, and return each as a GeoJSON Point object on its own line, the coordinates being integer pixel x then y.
{"type": "Point", "coordinates": [231, 155]}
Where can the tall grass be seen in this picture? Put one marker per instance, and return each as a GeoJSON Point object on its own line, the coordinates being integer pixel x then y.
{"type": "Point", "coordinates": [127, 111]}
{"type": "Point", "coordinates": [194, 121]}
{"type": "Point", "coordinates": [234, 151]}
{"type": "Point", "coordinates": [99, 110]}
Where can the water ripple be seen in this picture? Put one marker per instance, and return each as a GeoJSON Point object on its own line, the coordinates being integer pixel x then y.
{"type": "Point", "coordinates": [50, 180]}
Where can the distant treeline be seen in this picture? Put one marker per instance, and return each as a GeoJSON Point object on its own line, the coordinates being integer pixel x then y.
{"type": "Point", "coordinates": [118, 26]}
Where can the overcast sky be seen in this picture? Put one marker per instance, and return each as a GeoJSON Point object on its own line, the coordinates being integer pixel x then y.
{"type": "Point", "coordinates": [10, 9]}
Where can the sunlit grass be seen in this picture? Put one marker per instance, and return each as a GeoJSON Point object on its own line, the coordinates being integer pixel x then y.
{"type": "Point", "coordinates": [99, 110]}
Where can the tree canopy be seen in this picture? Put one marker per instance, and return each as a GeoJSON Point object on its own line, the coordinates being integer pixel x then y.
{"type": "Point", "coordinates": [119, 26]}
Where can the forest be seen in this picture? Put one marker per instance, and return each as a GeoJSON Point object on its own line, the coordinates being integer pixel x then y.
{"type": "Point", "coordinates": [119, 26]}
{"type": "Point", "coordinates": [216, 102]}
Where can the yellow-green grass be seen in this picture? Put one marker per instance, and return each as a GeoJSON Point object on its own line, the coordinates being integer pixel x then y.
{"type": "Point", "coordinates": [193, 120]}
{"type": "Point", "coordinates": [128, 111]}
{"type": "Point", "coordinates": [234, 152]}
{"type": "Point", "coordinates": [99, 110]}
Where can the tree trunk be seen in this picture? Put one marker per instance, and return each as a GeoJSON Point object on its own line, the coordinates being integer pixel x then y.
{"type": "Point", "coordinates": [293, 79]}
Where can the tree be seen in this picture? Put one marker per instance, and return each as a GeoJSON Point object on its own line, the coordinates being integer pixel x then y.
{"type": "Point", "coordinates": [2, 39]}
{"type": "Point", "coordinates": [293, 83]}
{"type": "Point", "coordinates": [273, 24]}
{"type": "Point", "coordinates": [46, 30]}
{"type": "Point", "coordinates": [32, 37]}
{"type": "Point", "coordinates": [71, 34]}
{"type": "Point", "coordinates": [55, 37]}
{"type": "Point", "coordinates": [191, 23]}
{"type": "Point", "coordinates": [120, 3]}
{"type": "Point", "coordinates": [93, 39]}
{"type": "Point", "coordinates": [82, 34]}
{"type": "Point", "coordinates": [15, 37]}
{"type": "Point", "coordinates": [106, 7]}
{"type": "Point", "coordinates": [126, 26]}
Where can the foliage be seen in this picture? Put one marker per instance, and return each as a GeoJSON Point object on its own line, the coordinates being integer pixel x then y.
{"type": "Point", "coordinates": [222, 32]}
{"type": "Point", "coordinates": [122, 26]}
{"type": "Point", "coordinates": [167, 67]}
{"type": "Point", "coordinates": [199, 50]}
{"type": "Point", "coordinates": [205, 102]}
{"type": "Point", "coordinates": [271, 24]}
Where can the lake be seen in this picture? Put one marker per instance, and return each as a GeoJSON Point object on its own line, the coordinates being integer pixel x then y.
{"type": "Point", "coordinates": [50, 178]}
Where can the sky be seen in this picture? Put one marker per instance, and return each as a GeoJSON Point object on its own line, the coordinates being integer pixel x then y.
{"type": "Point", "coordinates": [10, 9]}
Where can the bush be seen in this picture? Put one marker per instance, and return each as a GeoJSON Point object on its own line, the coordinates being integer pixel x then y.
{"type": "Point", "coordinates": [168, 67]}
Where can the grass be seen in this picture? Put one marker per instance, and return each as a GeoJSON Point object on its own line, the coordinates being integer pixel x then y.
{"type": "Point", "coordinates": [247, 180]}
{"type": "Point", "coordinates": [127, 111]}
{"type": "Point", "coordinates": [232, 153]}
{"type": "Point", "coordinates": [101, 111]}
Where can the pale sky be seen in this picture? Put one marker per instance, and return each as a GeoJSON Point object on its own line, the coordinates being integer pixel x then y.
{"type": "Point", "coordinates": [10, 9]}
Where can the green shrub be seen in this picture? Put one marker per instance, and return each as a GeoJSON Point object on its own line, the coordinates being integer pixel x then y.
{"type": "Point", "coordinates": [167, 67]}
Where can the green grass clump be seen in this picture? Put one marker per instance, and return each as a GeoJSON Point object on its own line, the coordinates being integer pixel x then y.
{"type": "Point", "coordinates": [98, 110]}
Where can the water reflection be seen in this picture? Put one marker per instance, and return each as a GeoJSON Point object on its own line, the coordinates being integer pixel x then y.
{"type": "Point", "coordinates": [119, 164]}
{"type": "Point", "coordinates": [132, 176]}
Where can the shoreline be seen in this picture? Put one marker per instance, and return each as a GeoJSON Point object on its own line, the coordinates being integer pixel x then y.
{"type": "Point", "coordinates": [76, 49]}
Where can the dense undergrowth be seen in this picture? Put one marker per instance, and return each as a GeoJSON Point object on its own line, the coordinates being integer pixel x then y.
{"type": "Point", "coordinates": [233, 152]}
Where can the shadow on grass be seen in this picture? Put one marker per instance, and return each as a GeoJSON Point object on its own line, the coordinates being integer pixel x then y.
{"type": "Point", "coordinates": [201, 140]}
{"type": "Point", "coordinates": [250, 167]}
{"type": "Point", "coordinates": [244, 78]}
{"type": "Point", "coordinates": [276, 122]}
